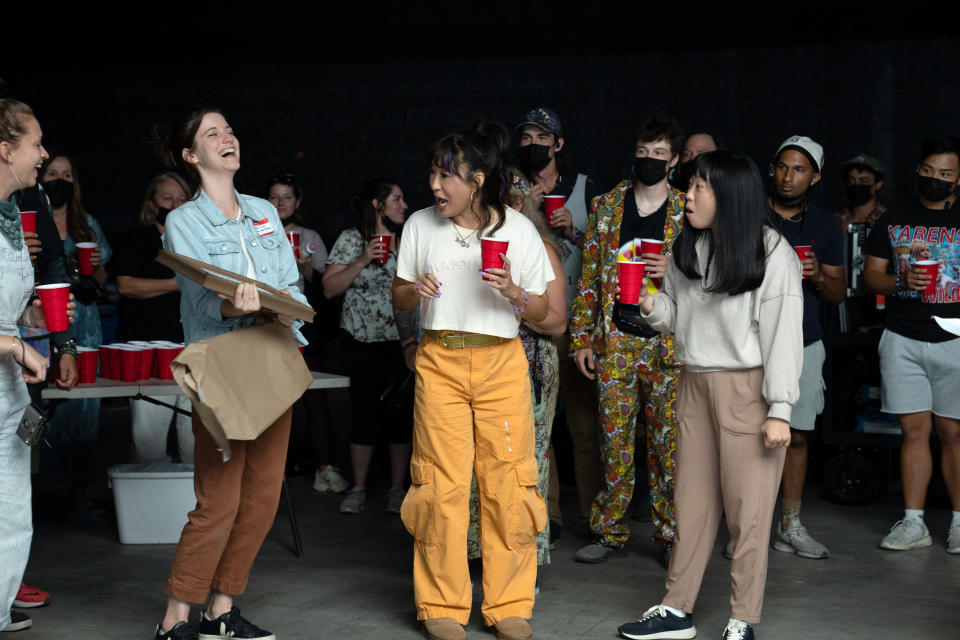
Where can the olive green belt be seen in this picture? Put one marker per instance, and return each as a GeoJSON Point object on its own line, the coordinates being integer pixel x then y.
{"type": "Point", "coordinates": [461, 339]}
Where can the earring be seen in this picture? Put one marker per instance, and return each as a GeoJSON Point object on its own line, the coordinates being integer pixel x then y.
{"type": "Point", "coordinates": [472, 196]}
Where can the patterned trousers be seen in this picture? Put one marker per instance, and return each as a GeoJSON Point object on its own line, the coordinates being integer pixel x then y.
{"type": "Point", "coordinates": [647, 372]}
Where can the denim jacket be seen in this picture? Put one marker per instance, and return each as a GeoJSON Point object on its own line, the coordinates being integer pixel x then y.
{"type": "Point", "coordinates": [199, 230]}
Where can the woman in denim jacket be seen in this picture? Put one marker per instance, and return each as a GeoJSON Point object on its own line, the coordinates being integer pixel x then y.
{"type": "Point", "coordinates": [236, 499]}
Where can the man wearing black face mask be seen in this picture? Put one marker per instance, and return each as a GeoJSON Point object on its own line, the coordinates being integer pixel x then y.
{"type": "Point", "coordinates": [795, 170]}
{"type": "Point", "coordinates": [863, 177]}
{"type": "Point", "coordinates": [695, 145]}
{"type": "Point", "coordinates": [919, 356]}
{"type": "Point", "coordinates": [541, 158]}
{"type": "Point", "coordinates": [632, 368]}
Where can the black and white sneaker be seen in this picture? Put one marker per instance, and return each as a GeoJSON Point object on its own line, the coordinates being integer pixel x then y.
{"type": "Point", "coordinates": [180, 631]}
{"type": "Point", "coordinates": [657, 622]}
{"type": "Point", "coordinates": [233, 626]}
{"type": "Point", "coordinates": [737, 630]}
{"type": "Point", "coordinates": [18, 622]}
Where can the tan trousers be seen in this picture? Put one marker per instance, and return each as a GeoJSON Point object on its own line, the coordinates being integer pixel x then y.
{"type": "Point", "coordinates": [473, 414]}
{"type": "Point", "coordinates": [723, 465]}
{"type": "Point", "coordinates": [236, 505]}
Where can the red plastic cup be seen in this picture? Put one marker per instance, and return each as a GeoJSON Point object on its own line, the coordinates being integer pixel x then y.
{"type": "Point", "coordinates": [131, 361]}
{"type": "Point", "coordinates": [385, 242]}
{"type": "Point", "coordinates": [930, 268]}
{"type": "Point", "coordinates": [165, 355]}
{"type": "Point", "coordinates": [28, 220]}
{"type": "Point", "coordinates": [551, 204]}
{"type": "Point", "coordinates": [147, 356]}
{"type": "Point", "coordinates": [87, 358]}
{"type": "Point", "coordinates": [106, 371]}
{"type": "Point", "coordinates": [490, 250]}
{"type": "Point", "coordinates": [301, 349]}
{"type": "Point", "coordinates": [649, 245]}
{"type": "Point", "coordinates": [802, 250]}
{"type": "Point", "coordinates": [84, 251]}
{"type": "Point", "coordinates": [53, 301]}
{"type": "Point", "coordinates": [631, 280]}
{"type": "Point", "coordinates": [294, 238]}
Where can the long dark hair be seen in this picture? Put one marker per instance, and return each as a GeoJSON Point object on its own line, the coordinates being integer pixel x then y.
{"type": "Point", "coordinates": [77, 226]}
{"type": "Point", "coordinates": [366, 210]}
{"type": "Point", "coordinates": [735, 243]}
{"type": "Point", "coordinates": [482, 148]}
{"type": "Point", "coordinates": [172, 139]}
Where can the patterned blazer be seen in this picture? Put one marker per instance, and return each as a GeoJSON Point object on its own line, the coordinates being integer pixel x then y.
{"type": "Point", "coordinates": [592, 323]}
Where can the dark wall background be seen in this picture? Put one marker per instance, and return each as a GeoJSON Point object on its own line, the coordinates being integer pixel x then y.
{"type": "Point", "coordinates": [345, 111]}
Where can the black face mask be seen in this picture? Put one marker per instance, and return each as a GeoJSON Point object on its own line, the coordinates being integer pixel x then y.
{"type": "Point", "coordinates": [858, 194]}
{"type": "Point", "coordinates": [649, 170]}
{"type": "Point", "coordinates": [534, 158]}
{"type": "Point", "coordinates": [162, 215]}
{"type": "Point", "coordinates": [59, 191]}
{"type": "Point", "coordinates": [682, 174]}
{"type": "Point", "coordinates": [934, 189]}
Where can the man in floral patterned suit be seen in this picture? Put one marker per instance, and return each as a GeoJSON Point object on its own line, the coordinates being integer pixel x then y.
{"type": "Point", "coordinates": [630, 370]}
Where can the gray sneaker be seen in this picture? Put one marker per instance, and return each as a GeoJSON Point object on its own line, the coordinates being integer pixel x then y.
{"type": "Point", "coordinates": [354, 501]}
{"type": "Point", "coordinates": [909, 533]}
{"type": "Point", "coordinates": [795, 539]}
{"type": "Point", "coordinates": [395, 498]}
{"type": "Point", "coordinates": [953, 538]}
{"type": "Point", "coordinates": [597, 552]}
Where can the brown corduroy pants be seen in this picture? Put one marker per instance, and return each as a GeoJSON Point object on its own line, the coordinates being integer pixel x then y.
{"type": "Point", "coordinates": [236, 504]}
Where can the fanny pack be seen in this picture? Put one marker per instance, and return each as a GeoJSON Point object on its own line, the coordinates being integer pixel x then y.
{"type": "Point", "coordinates": [627, 318]}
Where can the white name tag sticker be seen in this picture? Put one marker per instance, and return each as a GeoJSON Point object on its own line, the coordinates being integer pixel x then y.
{"type": "Point", "coordinates": [263, 227]}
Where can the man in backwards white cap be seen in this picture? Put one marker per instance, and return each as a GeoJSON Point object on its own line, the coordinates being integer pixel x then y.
{"type": "Point", "coordinates": [795, 170]}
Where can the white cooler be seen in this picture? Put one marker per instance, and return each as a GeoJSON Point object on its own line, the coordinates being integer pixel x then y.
{"type": "Point", "coordinates": [152, 501]}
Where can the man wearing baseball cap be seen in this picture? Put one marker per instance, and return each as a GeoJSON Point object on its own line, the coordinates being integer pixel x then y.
{"type": "Point", "coordinates": [542, 159]}
{"type": "Point", "coordinates": [795, 169]}
{"type": "Point", "coordinates": [863, 177]}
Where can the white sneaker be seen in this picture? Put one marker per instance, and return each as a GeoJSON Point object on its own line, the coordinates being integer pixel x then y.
{"type": "Point", "coordinates": [329, 480]}
{"type": "Point", "coordinates": [354, 501]}
{"type": "Point", "coordinates": [909, 533]}
{"type": "Point", "coordinates": [953, 538]}
{"type": "Point", "coordinates": [795, 539]}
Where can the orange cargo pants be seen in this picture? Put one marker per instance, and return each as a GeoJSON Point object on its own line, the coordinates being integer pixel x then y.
{"type": "Point", "coordinates": [473, 413]}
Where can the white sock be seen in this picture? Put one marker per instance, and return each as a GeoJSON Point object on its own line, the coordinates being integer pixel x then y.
{"type": "Point", "coordinates": [956, 518]}
{"type": "Point", "coordinates": [680, 613]}
{"type": "Point", "coordinates": [916, 514]}
{"type": "Point", "coordinates": [733, 621]}
{"type": "Point", "coordinates": [206, 617]}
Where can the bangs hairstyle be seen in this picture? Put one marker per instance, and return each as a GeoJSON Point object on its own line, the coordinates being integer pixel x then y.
{"type": "Point", "coordinates": [466, 152]}
{"type": "Point", "coordinates": [939, 145]}
{"type": "Point", "coordinates": [654, 128]}
{"type": "Point", "coordinates": [736, 252]}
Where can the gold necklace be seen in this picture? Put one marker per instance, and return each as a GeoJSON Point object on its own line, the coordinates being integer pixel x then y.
{"type": "Point", "coordinates": [462, 240]}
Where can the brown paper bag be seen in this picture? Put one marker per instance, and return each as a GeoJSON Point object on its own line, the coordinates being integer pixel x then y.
{"type": "Point", "coordinates": [242, 381]}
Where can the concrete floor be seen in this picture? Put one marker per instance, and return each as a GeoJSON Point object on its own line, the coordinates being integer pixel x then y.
{"type": "Point", "coordinates": [354, 581]}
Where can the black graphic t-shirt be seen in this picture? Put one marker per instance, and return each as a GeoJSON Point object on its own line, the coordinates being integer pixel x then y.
{"type": "Point", "coordinates": [918, 233]}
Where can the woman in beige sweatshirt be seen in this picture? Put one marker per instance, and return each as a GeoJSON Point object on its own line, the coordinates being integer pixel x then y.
{"type": "Point", "coordinates": [732, 299]}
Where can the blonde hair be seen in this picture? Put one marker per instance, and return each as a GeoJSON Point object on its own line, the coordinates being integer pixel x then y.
{"type": "Point", "coordinates": [147, 215]}
{"type": "Point", "coordinates": [12, 115]}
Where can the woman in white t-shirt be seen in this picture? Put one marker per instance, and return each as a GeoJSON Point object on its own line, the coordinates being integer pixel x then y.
{"type": "Point", "coordinates": [472, 411]}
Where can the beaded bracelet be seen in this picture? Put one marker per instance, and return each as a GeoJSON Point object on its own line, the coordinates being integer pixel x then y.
{"type": "Point", "coordinates": [526, 301]}
{"type": "Point", "coordinates": [68, 348]}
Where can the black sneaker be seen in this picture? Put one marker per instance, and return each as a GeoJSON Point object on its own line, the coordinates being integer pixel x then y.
{"type": "Point", "coordinates": [18, 622]}
{"type": "Point", "coordinates": [737, 630]}
{"type": "Point", "coordinates": [231, 625]}
{"type": "Point", "coordinates": [657, 622]}
{"type": "Point", "coordinates": [180, 631]}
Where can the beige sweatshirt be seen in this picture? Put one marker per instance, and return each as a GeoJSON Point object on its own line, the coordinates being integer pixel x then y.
{"type": "Point", "coordinates": [763, 327]}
